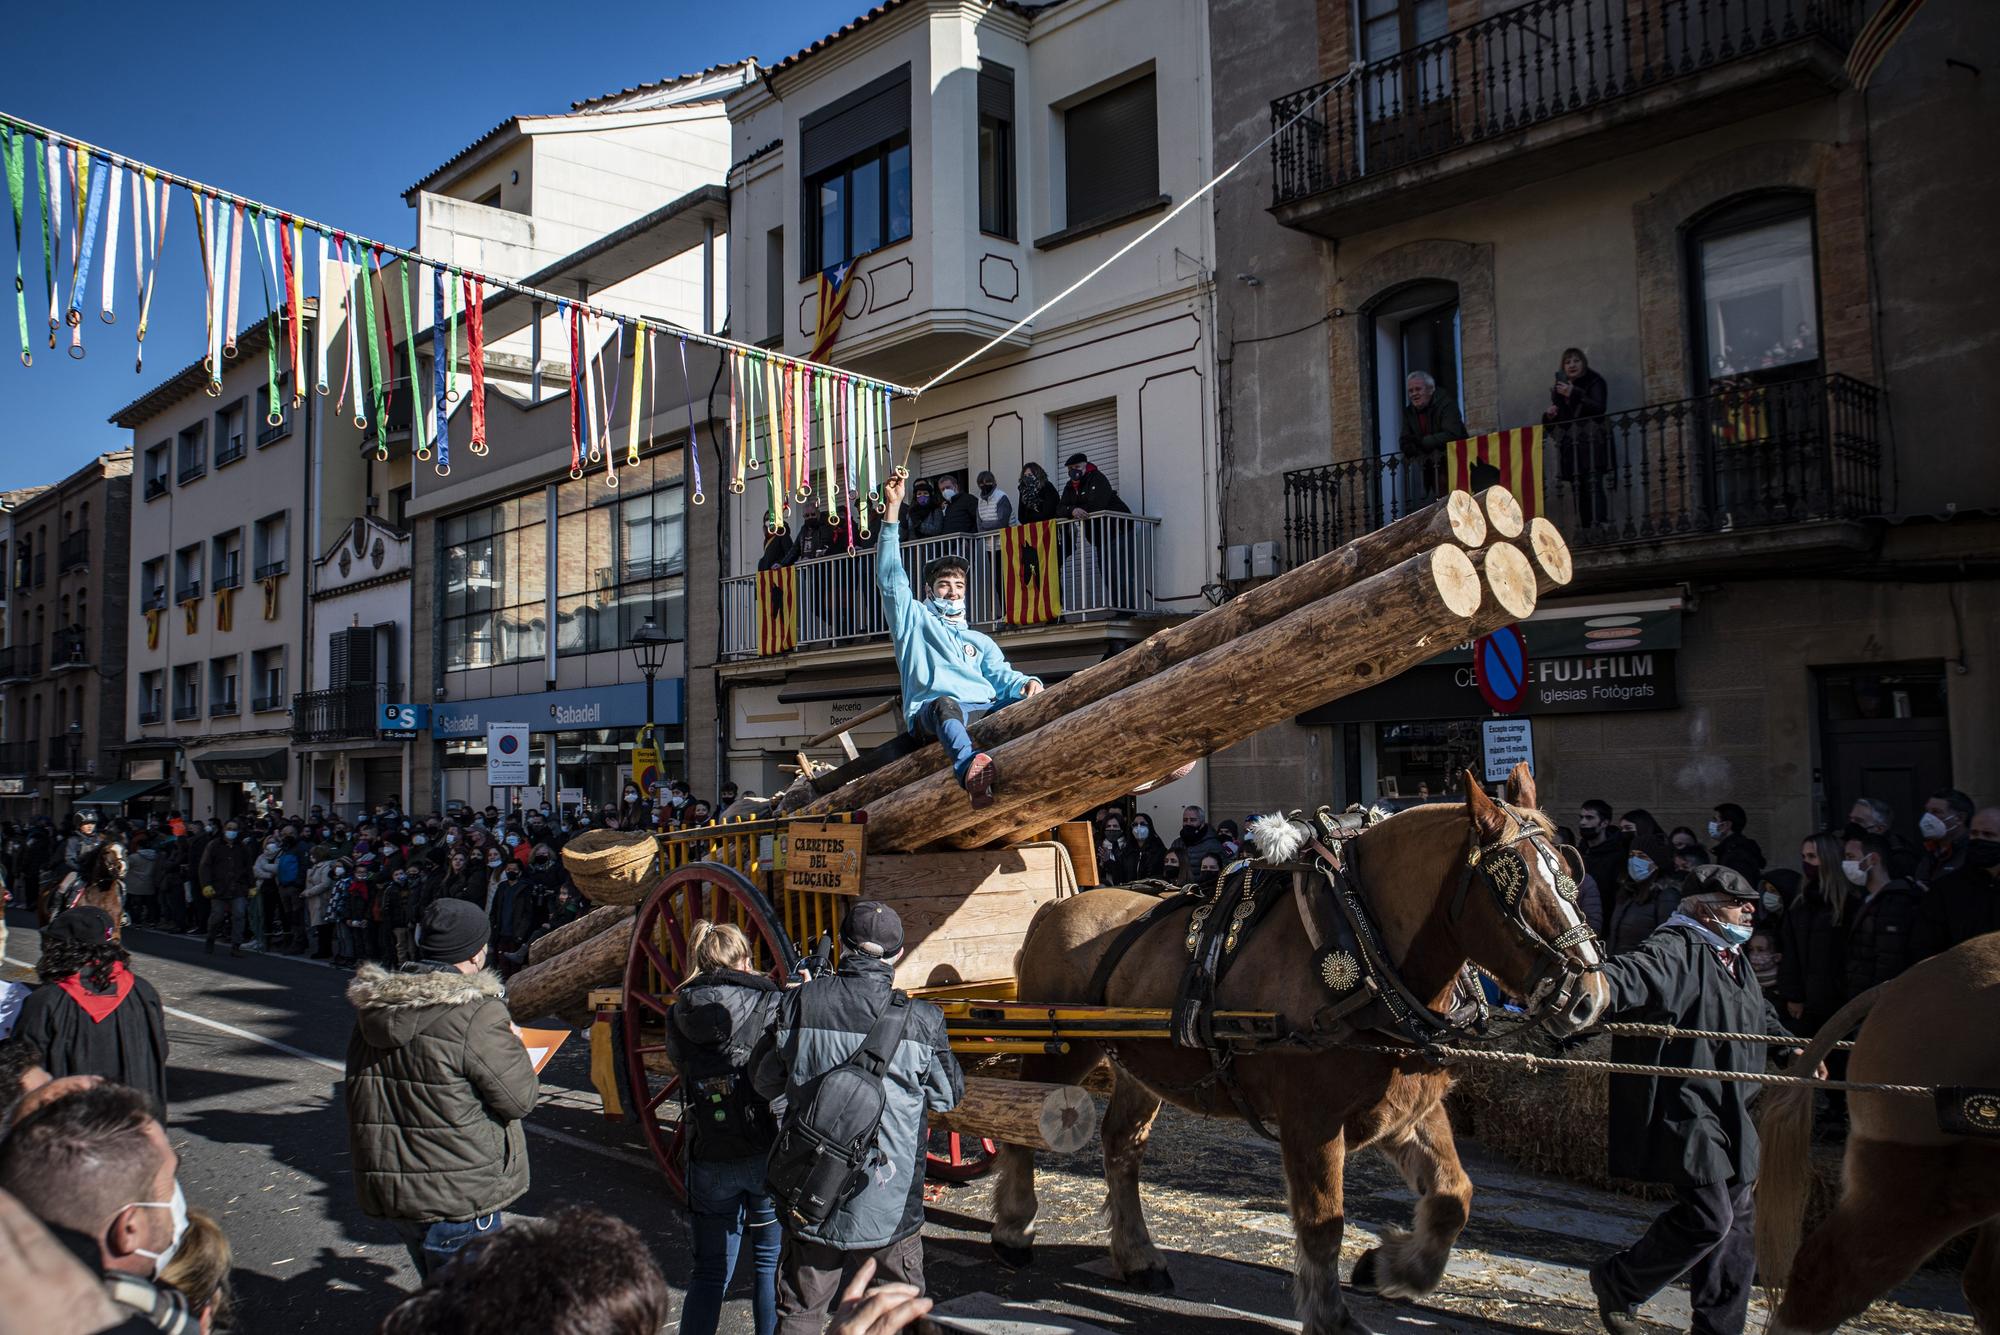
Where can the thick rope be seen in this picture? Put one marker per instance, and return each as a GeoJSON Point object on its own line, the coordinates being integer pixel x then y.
{"type": "Point", "coordinates": [1534, 1065]}
{"type": "Point", "coordinates": [1669, 1031]}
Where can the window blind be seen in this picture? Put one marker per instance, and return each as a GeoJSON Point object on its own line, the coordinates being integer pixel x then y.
{"type": "Point", "coordinates": [1091, 431]}
{"type": "Point", "coordinates": [856, 123]}
{"type": "Point", "coordinates": [1111, 152]}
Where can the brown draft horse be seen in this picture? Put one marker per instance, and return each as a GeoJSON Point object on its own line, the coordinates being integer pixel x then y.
{"type": "Point", "coordinates": [1325, 1102]}
{"type": "Point", "coordinates": [100, 884]}
{"type": "Point", "coordinates": [1907, 1186]}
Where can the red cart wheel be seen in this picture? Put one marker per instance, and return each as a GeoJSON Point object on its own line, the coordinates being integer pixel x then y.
{"type": "Point", "coordinates": [950, 1157]}
{"type": "Point", "coordinates": [658, 964]}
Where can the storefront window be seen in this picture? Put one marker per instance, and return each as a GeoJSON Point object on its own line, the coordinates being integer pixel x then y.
{"type": "Point", "coordinates": [1424, 759]}
{"type": "Point", "coordinates": [496, 584]}
{"type": "Point", "coordinates": [621, 557]}
{"type": "Point", "coordinates": [599, 761]}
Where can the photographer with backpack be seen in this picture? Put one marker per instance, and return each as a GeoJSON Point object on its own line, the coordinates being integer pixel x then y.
{"type": "Point", "coordinates": [719, 1016]}
{"type": "Point", "coordinates": [860, 1065]}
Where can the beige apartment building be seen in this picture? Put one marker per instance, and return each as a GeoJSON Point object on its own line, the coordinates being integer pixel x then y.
{"type": "Point", "coordinates": [65, 653]}
{"type": "Point", "coordinates": [224, 514]}
{"type": "Point", "coordinates": [1783, 523]}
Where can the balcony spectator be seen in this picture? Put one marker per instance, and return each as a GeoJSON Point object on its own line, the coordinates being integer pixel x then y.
{"type": "Point", "coordinates": [959, 512]}
{"type": "Point", "coordinates": [779, 550]}
{"type": "Point", "coordinates": [1039, 498]}
{"type": "Point", "coordinates": [1089, 492]}
{"type": "Point", "coordinates": [1812, 965]}
{"type": "Point", "coordinates": [1583, 450]}
{"type": "Point", "coordinates": [1733, 848]}
{"type": "Point", "coordinates": [820, 536]}
{"type": "Point", "coordinates": [1947, 814]}
{"type": "Point", "coordinates": [996, 508]}
{"type": "Point", "coordinates": [921, 514]}
{"type": "Point", "coordinates": [1428, 425]}
{"type": "Point", "coordinates": [1965, 902]}
{"type": "Point", "coordinates": [1881, 931]}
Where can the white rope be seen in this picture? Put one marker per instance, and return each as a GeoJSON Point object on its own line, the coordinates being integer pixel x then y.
{"type": "Point", "coordinates": [1129, 246]}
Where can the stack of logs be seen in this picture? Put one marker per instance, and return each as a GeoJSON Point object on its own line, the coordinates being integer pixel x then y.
{"type": "Point", "coordinates": [1355, 617]}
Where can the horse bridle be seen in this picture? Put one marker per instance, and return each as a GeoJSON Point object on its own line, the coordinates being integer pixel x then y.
{"type": "Point", "coordinates": [1561, 964]}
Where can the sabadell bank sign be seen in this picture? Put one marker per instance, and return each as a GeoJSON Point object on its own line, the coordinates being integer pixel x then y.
{"type": "Point", "coordinates": [621, 706]}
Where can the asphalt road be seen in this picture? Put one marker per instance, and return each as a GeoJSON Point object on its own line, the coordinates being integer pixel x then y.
{"type": "Point", "coordinates": [256, 1114]}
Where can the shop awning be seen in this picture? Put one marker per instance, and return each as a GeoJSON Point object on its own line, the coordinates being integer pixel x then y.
{"type": "Point", "coordinates": [118, 794]}
{"type": "Point", "coordinates": [260, 766]}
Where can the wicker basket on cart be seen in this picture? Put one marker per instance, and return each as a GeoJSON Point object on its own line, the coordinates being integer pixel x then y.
{"type": "Point", "coordinates": [612, 866]}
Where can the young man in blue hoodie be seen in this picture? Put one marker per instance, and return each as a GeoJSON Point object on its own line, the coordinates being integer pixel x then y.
{"type": "Point", "coordinates": [951, 674]}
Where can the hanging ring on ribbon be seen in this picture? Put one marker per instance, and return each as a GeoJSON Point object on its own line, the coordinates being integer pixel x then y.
{"type": "Point", "coordinates": [444, 470]}
{"type": "Point", "coordinates": [735, 487]}
{"type": "Point", "coordinates": [610, 477]}
{"type": "Point", "coordinates": [575, 473]}
{"type": "Point", "coordinates": [274, 418]}
{"type": "Point", "coordinates": [360, 422]}
{"type": "Point", "coordinates": [214, 387]}
{"type": "Point", "coordinates": [76, 351]}
{"type": "Point", "coordinates": [73, 318]}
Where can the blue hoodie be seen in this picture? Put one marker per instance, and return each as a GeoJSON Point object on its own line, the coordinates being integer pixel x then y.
{"type": "Point", "coordinates": [934, 658]}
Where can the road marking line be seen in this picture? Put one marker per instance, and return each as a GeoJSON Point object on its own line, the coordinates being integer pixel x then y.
{"type": "Point", "coordinates": [340, 1068]}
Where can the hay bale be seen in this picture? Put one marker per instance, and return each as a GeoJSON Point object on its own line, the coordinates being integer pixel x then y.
{"type": "Point", "coordinates": [1554, 1122]}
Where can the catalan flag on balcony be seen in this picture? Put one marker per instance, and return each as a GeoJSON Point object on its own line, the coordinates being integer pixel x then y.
{"type": "Point", "coordinates": [225, 609]}
{"type": "Point", "coordinates": [152, 628]}
{"type": "Point", "coordinates": [1032, 571]}
{"type": "Point", "coordinates": [271, 595]}
{"type": "Point", "coordinates": [777, 610]}
{"type": "Point", "coordinates": [834, 285]}
{"type": "Point", "coordinates": [192, 608]}
{"type": "Point", "coordinates": [1877, 36]}
{"type": "Point", "coordinates": [1517, 456]}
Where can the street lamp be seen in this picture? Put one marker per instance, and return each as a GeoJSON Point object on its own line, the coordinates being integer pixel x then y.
{"type": "Point", "coordinates": [649, 653]}
{"type": "Point", "coordinates": [75, 756]}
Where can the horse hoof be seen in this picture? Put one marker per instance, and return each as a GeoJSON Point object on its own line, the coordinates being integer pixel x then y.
{"type": "Point", "coordinates": [1014, 1258]}
{"type": "Point", "coordinates": [1363, 1279]}
{"type": "Point", "coordinates": [1153, 1279]}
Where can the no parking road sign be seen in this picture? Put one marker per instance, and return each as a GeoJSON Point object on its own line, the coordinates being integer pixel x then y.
{"type": "Point", "coordinates": [1500, 669]}
{"type": "Point", "coordinates": [506, 754]}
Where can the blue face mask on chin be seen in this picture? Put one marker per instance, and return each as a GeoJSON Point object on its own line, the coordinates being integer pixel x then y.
{"type": "Point", "coordinates": [951, 609]}
{"type": "Point", "coordinates": [1735, 933]}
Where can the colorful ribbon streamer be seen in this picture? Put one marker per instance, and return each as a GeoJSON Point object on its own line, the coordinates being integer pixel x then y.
{"type": "Point", "coordinates": [274, 414]}
{"type": "Point", "coordinates": [475, 348]}
{"type": "Point", "coordinates": [11, 150]}
{"type": "Point", "coordinates": [235, 284]}
{"type": "Point", "coordinates": [117, 175]}
{"type": "Point", "coordinates": [418, 441]}
{"type": "Point", "coordinates": [438, 375]}
{"type": "Point", "coordinates": [165, 196]}
{"type": "Point", "coordinates": [639, 341]}
{"type": "Point", "coordinates": [693, 447]}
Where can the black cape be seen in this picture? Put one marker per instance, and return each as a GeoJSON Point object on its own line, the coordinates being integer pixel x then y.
{"type": "Point", "coordinates": [129, 1045]}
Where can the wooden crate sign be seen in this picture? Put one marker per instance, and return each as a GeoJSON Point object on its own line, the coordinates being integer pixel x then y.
{"type": "Point", "coordinates": [824, 858]}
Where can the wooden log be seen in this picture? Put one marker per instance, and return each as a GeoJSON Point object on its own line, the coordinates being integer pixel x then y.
{"type": "Point", "coordinates": [1347, 648]}
{"type": "Point", "coordinates": [576, 933]}
{"type": "Point", "coordinates": [965, 915]}
{"type": "Point", "coordinates": [1334, 647]}
{"type": "Point", "coordinates": [1058, 1118]}
{"type": "Point", "coordinates": [1503, 512]}
{"type": "Point", "coordinates": [1550, 554]}
{"type": "Point", "coordinates": [562, 982]}
{"type": "Point", "coordinates": [1457, 518]}
{"type": "Point", "coordinates": [1510, 579]}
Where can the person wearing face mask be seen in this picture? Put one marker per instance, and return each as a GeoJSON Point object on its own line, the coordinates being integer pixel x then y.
{"type": "Point", "coordinates": [1965, 902]}
{"type": "Point", "coordinates": [1197, 838]}
{"type": "Point", "coordinates": [319, 890]}
{"type": "Point", "coordinates": [435, 1075]}
{"type": "Point", "coordinates": [1088, 491]}
{"type": "Point", "coordinates": [951, 674]}
{"type": "Point", "coordinates": [924, 515]}
{"type": "Point", "coordinates": [228, 880]}
{"type": "Point", "coordinates": [97, 1165]}
{"type": "Point", "coordinates": [1881, 928]}
{"type": "Point", "coordinates": [265, 870]}
{"type": "Point", "coordinates": [1871, 815]}
{"type": "Point", "coordinates": [1696, 1136]}
{"type": "Point", "coordinates": [1601, 842]}
{"type": "Point", "coordinates": [1730, 846]}
{"type": "Point", "coordinates": [1945, 827]}
{"type": "Point", "coordinates": [995, 507]}
{"type": "Point", "coordinates": [1644, 895]}
{"type": "Point", "coordinates": [1150, 850]}
{"type": "Point", "coordinates": [92, 1015]}
{"type": "Point", "coordinates": [960, 513]}
{"type": "Point", "coordinates": [1040, 498]}
{"type": "Point", "coordinates": [1812, 938]}
{"type": "Point", "coordinates": [1117, 852]}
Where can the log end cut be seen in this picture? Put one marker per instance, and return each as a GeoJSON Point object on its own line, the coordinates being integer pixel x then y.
{"type": "Point", "coordinates": [1057, 1118]}
{"type": "Point", "coordinates": [1551, 554]}
{"type": "Point", "coordinates": [1503, 512]}
{"type": "Point", "coordinates": [1457, 580]}
{"type": "Point", "coordinates": [1467, 520]}
{"type": "Point", "coordinates": [1510, 579]}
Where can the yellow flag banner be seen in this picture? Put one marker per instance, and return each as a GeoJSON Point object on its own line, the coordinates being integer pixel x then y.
{"type": "Point", "coordinates": [192, 608]}
{"type": "Point", "coordinates": [1032, 572]}
{"type": "Point", "coordinates": [777, 610]}
{"type": "Point", "coordinates": [1515, 454]}
{"type": "Point", "coordinates": [225, 609]}
{"type": "Point", "coordinates": [152, 628]}
{"type": "Point", "coordinates": [271, 597]}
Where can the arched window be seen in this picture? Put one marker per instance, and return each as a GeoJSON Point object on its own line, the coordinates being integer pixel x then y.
{"type": "Point", "coordinates": [1754, 294]}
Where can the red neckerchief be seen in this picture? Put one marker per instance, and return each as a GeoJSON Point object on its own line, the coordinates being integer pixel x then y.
{"type": "Point", "coordinates": [99, 1005]}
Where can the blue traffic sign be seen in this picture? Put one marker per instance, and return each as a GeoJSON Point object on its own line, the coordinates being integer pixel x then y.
{"type": "Point", "coordinates": [1500, 669]}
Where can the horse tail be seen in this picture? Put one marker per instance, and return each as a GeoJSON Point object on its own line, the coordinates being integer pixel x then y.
{"type": "Point", "coordinates": [1785, 1126]}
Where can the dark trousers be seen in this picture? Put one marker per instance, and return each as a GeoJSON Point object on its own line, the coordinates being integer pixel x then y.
{"type": "Point", "coordinates": [228, 915]}
{"type": "Point", "coordinates": [811, 1276]}
{"type": "Point", "coordinates": [1706, 1235]}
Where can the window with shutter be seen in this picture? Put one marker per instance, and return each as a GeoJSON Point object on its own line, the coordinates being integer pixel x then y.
{"type": "Point", "coordinates": [1091, 431]}
{"type": "Point", "coordinates": [937, 457]}
{"type": "Point", "coordinates": [996, 149]}
{"type": "Point", "coordinates": [360, 655]}
{"type": "Point", "coordinates": [854, 172]}
{"type": "Point", "coordinates": [1111, 153]}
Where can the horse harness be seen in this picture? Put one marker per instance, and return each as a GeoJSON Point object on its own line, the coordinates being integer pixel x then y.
{"type": "Point", "coordinates": [1365, 990]}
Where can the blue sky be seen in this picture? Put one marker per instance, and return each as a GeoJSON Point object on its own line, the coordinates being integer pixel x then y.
{"type": "Point", "coordinates": [326, 112]}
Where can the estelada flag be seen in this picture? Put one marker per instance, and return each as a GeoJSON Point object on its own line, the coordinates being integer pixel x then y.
{"type": "Point", "coordinates": [777, 610]}
{"type": "Point", "coordinates": [1033, 573]}
{"type": "Point", "coordinates": [1872, 43]}
{"type": "Point", "coordinates": [1517, 454]}
{"type": "Point", "coordinates": [834, 285]}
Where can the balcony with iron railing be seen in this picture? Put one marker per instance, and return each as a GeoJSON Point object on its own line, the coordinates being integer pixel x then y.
{"type": "Point", "coordinates": [229, 573]}
{"type": "Point", "coordinates": [20, 662]}
{"type": "Point", "coordinates": [1538, 90]}
{"type": "Point", "coordinates": [342, 713]}
{"type": "Point", "coordinates": [31, 572]}
{"type": "Point", "coordinates": [20, 759]}
{"type": "Point", "coordinates": [271, 569]}
{"type": "Point", "coordinates": [224, 706]}
{"type": "Point", "coordinates": [186, 707]}
{"type": "Point", "coordinates": [1785, 468]}
{"type": "Point", "coordinates": [152, 711]}
{"type": "Point", "coordinates": [68, 648]}
{"type": "Point", "coordinates": [73, 552]}
{"type": "Point", "coordinates": [1108, 570]}
{"type": "Point", "coordinates": [229, 449]}
{"type": "Point", "coordinates": [157, 486]}
{"type": "Point", "coordinates": [187, 592]}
